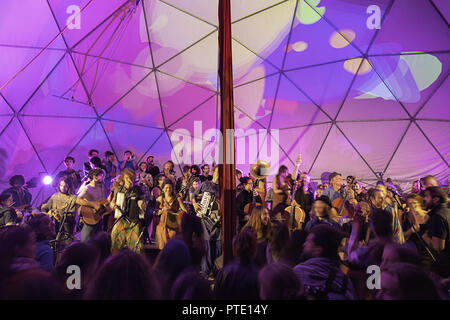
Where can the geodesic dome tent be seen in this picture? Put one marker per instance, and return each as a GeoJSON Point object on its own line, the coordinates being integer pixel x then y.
{"type": "Point", "coordinates": [355, 86]}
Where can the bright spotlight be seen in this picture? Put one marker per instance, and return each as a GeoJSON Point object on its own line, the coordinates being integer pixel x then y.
{"type": "Point", "coordinates": [47, 180]}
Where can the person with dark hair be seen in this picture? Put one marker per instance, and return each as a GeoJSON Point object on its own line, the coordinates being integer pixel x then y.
{"type": "Point", "coordinates": [405, 281]}
{"type": "Point", "coordinates": [335, 190]}
{"type": "Point", "coordinates": [304, 196]}
{"type": "Point", "coordinates": [44, 230]}
{"type": "Point", "coordinates": [320, 273]}
{"type": "Point", "coordinates": [191, 286]}
{"type": "Point", "coordinates": [64, 202]}
{"type": "Point", "coordinates": [244, 197]}
{"type": "Point", "coordinates": [239, 280]}
{"type": "Point", "coordinates": [169, 172]}
{"type": "Point", "coordinates": [380, 225]}
{"type": "Point", "coordinates": [414, 225]}
{"type": "Point", "coordinates": [20, 194]}
{"type": "Point", "coordinates": [294, 248]}
{"type": "Point", "coordinates": [321, 214]}
{"type": "Point", "coordinates": [205, 173]}
{"type": "Point", "coordinates": [102, 242]}
{"type": "Point", "coordinates": [152, 168]}
{"type": "Point", "coordinates": [144, 180]}
{"type": "Point", "coordinates": [437, 235]}
{"type": "Point", "coordinates": [397, 253]}
{"type": "Point", "coordinates": [86, 257]}
{"type": "Point", "coordinates": [33, 284]}
{"type": "Point", "coordinates": [278, 282]}
{"type": "Point", "coordinates": [427, 181]}
{"type": "Point", "coordinates": [196, 183]}
{"type": "Point", "coordinates": [93, 193]}
{"type": "Point", "coordinates": [280, 188]}
{"type": "Point", "coordinates": [195, 171]}
{"type": "Point", "coordinates": [183, 183]}
{"type": "Point", "coordinates": [211, 224]}
{"type": "Point", "coordinates": [171, 261]}
{"type": "Point", "coordinates": [8, 215]}
{"type": "Point", "coordinates": [192, 234]}
{"type": "Point", "coordinates": [17, 252]}
{"type": "Point", "coordinates": [87, 165]}
{"type": "Point", "coordinates": [168, 208]}
{"type": "Point", "coordinates": [110, 283]}
{"type": "Point", "coordinates": [238, 174]}
{"type": "Point", "coordinates": [71, 174]}
{"type": "Point", "coordinates": [278, 239]}
{"type": "Point", "coordinates": [110, 169]}
{"type": "Point", "coordinates": [129, 161]}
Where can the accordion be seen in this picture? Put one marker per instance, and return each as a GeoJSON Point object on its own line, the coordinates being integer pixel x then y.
{"type": "Point", "coordinates": [209, 208]}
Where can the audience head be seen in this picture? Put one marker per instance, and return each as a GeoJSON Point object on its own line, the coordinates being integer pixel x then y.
{"type": "Point", "coordinates": [171, 261]}
{"type": "Point", "coordinates": [279, 282]}
{"type": "Point", "coordinates": [429, 181]}
{"type": "Point", "coordinates": [192, 234]}
{"type": "Point", "coordinates": [381, 223]}
{"type": "Point", "coordinates": [244, 246]}
{"type": "Point", "coordinates": [294, 248]}
{"type": "Point", "coordinates": [321, 207]}
{"type": "Point", "coordinates": [42, 226]}
{"type": "Point", "coordinates": [102, 242]}
{"type": "Point", "coordinates": [33, 284]}
{"type": "Point", "coordinates": [415, 202]}
{"type": "Point", "coordinates": [396, 253]}
{"type": "Point", "coordinates": [435, 196]}
{"type": "Point", "coordinates": [259, 221]}
{"type": "Point", "coordinates": [405, 281]}
{"type": "Point", "coordinates": [323, 241]}
{"type": "Point", "coordinates": [189, 285]}
{"type": "Point", "coordinates": [124, 276]}
{"type": "Point", "coordinates": [83, 255]}
{"type": "Point", "coordinates": [279, 238]}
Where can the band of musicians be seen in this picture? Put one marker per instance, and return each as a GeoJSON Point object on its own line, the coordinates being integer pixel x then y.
{"type": "Point", "coordinates": [287, 217]}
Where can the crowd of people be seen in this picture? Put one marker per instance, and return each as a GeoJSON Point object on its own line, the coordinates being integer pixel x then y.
{"type": "Point", "coordinates": [294, 240]}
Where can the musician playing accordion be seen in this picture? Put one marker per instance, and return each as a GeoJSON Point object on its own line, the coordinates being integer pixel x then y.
{"type": "Point", "coordinates": [211, 228]}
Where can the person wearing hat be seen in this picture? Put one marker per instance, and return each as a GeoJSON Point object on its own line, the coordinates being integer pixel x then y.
{"type": "Point", "coordinates": [335, 189]}
{"type": "Point", "coordinates": [321, 214]}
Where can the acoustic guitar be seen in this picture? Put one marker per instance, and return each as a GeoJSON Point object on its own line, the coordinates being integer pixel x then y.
{"type": "Point", "coordinates": [90, 216]}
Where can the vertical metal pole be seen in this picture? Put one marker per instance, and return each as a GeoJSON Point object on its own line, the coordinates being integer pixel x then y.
{"type": "Point", "coordinates": [227, 168]}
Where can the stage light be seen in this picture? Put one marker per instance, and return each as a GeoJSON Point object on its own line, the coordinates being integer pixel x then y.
{"type": "Point", "coordinates": [47, 180]}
